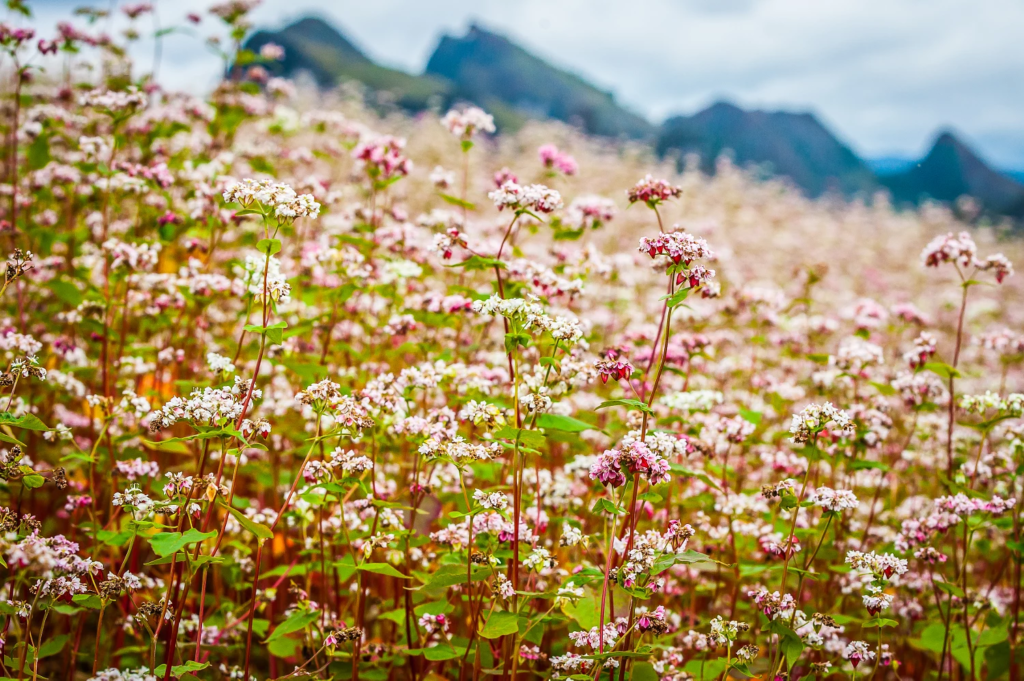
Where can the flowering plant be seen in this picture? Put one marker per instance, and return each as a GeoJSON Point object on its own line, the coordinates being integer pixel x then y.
{"type": "Point", "coordinates": [279, 402]}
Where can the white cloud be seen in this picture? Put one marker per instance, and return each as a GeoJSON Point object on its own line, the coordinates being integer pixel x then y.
{"type": "Point", "coordinates": [885, 75]}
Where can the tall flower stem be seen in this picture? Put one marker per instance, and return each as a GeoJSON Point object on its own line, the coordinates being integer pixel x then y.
{"type": "Point", "coordinates": [965, 285]}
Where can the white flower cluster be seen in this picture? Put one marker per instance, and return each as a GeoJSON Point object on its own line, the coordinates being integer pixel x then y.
{"type": "Point", "coordinates": [858, 651]}
{"type": "Point", "coordinates": [94, 148]}
{"type": "Point", "coordinates": [503, 587]}
{"type": "Point", "coordinates": [219, 364]}
{"type": "Point", "coordinates": [723, 632]}
{"type": "Point", "coordinates": [572, 536]}
{"type": "Point", "coordinates": [641, 557]}
{"type": "Point", "coordinates": [592, 638]}
{"type": "Point", "coordinates": [876, 600]}
{"type": "Point", "coordinates": [589, 211]}
{"type": "Point", "coordinates": [959, 248]}
{"type": "Point", "coordinates": [133, 498]}
{"type": "Point", "coordinates": [491, 501]}
{"type": "Point", "coordinates": [538, 559]}
{"type": "Point", "coordinates": [834, 500]}
{"type": "Point", "coordinates": [282, 198]}
{"type": "Point", "coordinates": [855, 354]}
{"type": "Point", "coordinates": [531, 316]}
{"type": "Point", "coordinates": [349, 462]}
{"type": "Point", "coordinates": [206, 407]}
{"type": "Point", "coordinates": [111, 100]}
{"type": "Point", "coordinates": [677, 246]}
{"type": "Point", "coordinates": [990, 401]}
{"type": "Point", "coordinates": [468, 122]}
{"type": "Point", "coordinates": [881, 565]}
{"type": "Point", "coordinates": [963, 505]}
{"type": "Point", "coordinates": [571, 664]}
{"type": "Point", "coordinates": [569, 592]}
{"type": "Point", "coordinates": [535, 197]}
{"type": "Point", "coordinates": [482, 414]}
{"type": "Point", "coordinates": [815, 418]}
{"type": "Point", "coordinates": [136, 257]}
{"type": "Point", "coordinates": [457, 449]}
{"type": "Point", "coordinates": [277, 287]}
{"type": "Point", "coordinates": [693, 400]}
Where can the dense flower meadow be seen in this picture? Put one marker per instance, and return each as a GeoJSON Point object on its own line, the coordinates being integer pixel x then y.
{"type": "Point", "coordinates": [295, 387]}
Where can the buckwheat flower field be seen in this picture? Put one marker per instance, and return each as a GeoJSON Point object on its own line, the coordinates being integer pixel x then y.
{"type": "Point", "coordinates": [293, 390]}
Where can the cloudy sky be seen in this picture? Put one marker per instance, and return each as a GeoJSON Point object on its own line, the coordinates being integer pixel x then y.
{"type": "Point", "coordinates": [885, 75]}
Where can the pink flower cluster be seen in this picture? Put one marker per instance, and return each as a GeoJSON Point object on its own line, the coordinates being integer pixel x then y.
{"type": "Point", "coordinates": [552, 157]}
{"type": "Point", "coordinates": [382, 157]}
{"type": "Point", "coordinates": [636, 459]}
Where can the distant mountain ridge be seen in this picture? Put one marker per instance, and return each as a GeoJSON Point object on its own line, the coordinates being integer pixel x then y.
{"type": "Point", "coordinates": [950, 170]}
{"type": "Point", "coordinates": [795, 145]}
{"type": "Point", "coordinates": [514, 85]}
{"type": "Point", "coordinates": [491, 70]}
{"type": "Point", "coordinates": [314, 46]}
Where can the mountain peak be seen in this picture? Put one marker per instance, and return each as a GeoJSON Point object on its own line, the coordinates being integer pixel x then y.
{"type": "Point", "coordinates": [795, 145]}
{"type": "Point", "coordinates": [491, 70]}
{"type": "Point", "coordinates": [947, 138]}
{"type": "Point", "coordinates": [313, 45]}
{"type": "Point", "coordinates": [952, 169]}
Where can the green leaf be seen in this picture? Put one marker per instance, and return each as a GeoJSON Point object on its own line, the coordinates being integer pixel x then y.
{"type": "Point", "coordinates": [584, 612]}
{"type": "Point", "coordinates": [632, 404]}
{"type": "Point", "coordinates": [884, 388]}
{"type": "Point", "coordinates": [382, 569]}
{"type": "Point", "coordinates": [341, 295]}
{"type": "Point", "coordinates": [298, 621]}
{"type": "Point", "coordinates": [53, 646]}
{"type": "Point", "coordinates": [476, 263]}
{"type": "Point", "coordinates": [751, 416]}
{"type": "Point", "coordinates": [564, 423]}
{"type": "Point", "coordinates": [268, 246]}
{"type": "Point", "coordinates": [940, 369]}
{"type": "Point", "coordinates": [790, 644]}
{"type": "Point", "coordinates": [261, 531]}
{"type": "Point", "coordinates": [91, 601]}
{"type": "Point", "coordinates": [644, 671]}
{"type": "Point", "coordinates": [677, 298]}
{"type": "Point", "coordinates": [66, 292]}
{"type": "Point", "coordinates": [603, 505]}
{"type": "Point", "coordinates": [456, 201]}
{"type": "Point", "coordinates": [684, 471]}
{"type": "Point", "coordinates": [275, 331]}
{"type": "Point", "coordinates": [38, 152]}
{"type": "Point", "coordinates": [876, 622]}
{"type": "Point", "coordinates": [950, 589]}
{"type": "Point", "coordinates": [180, 670]}
{"type": "Point", "coordinates": [440, 653]}
{"type": "Point", "coordinates": [514, 340]}
{"type": "Point", "coordinates": [530, 438]}
{"type": "Point", "coordinates": [11, 440]}
{"type": "Point", "coordinates": [33, 481]}
{"type": "Point", "coordinates": [169, 543]}
{"type": "Point", "coordinates": [28, 421]}
{"type": "Point", "coordinates": [688, 557]}
{"type": "Point", "coordinates": [500, 624]}
{"type": "Point", "coordinates": [450, 575]}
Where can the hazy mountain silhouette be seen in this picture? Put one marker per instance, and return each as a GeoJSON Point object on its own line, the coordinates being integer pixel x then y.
{"type": "Point", "coordinates": [950, 170]}
{"type": "Point", "coordinates": [514, 85]}
{"type": "Point", "coordinates": [795, 145]}
{"type": "Point", "coordinates": [490, 69]}
{"type": "Point", "coordinates": [314, 46]}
